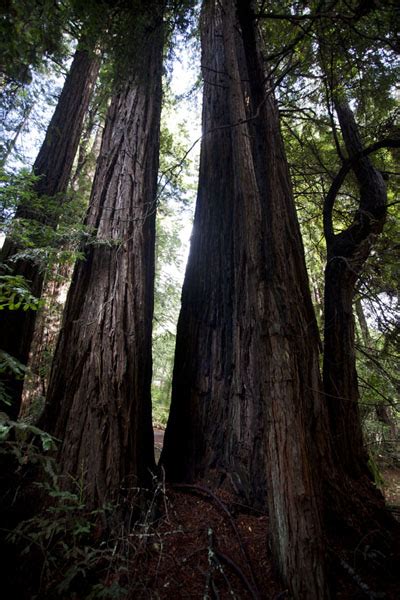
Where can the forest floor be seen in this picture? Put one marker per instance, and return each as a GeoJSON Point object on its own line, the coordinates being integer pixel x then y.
{"type": "Point", "coordinates": [391, 485]}
{"type": "Point", "coordinates": [195, 542]}
{"type": "Point", "coordinates": [206, 545]}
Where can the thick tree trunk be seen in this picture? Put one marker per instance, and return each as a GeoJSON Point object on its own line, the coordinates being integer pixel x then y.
{"type": "Point", "coordinates": [347, 252]}
{"type": "Point", "coordinates": [99, 401]}
{"type": "Point", "coordinates": [245, 401]}
{"type": "Point", "coordinates": [53, 165]}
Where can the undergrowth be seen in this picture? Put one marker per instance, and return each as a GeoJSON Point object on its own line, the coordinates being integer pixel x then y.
{"type": "Point", "coordinates": [64, 549]}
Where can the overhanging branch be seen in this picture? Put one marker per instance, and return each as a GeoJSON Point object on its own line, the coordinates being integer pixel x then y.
{"type": "Point", "coordinates": [340, 177]}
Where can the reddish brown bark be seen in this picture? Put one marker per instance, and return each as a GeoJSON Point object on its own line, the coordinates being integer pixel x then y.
{"type": "Point", "coordinates": [53, 165]}
{"type": "Point", "coordinates": [245, 401]}
{"type": "Point", "coordinates": [99, 392]}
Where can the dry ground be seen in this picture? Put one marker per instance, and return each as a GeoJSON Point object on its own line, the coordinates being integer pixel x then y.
{"type": "Point", "coordinates": [206, 546]}
{"type": "Point", "coordinates": [391, 486]}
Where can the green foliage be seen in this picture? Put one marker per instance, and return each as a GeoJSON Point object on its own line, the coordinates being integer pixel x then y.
{"type": "Point", "coordinates": [132, 18]}
{"type": "Point", "coordinates": [33, 51]}
{"type": "Point", "coordinates": [350, 51]}
{"type": "Point", "coordinates": [27, 443]}
{"type": "Point", "coordinates": [70, 549]}
{"type": "Point", "coordinates": [62, 534]}
{"type": "Point", "coordinates": [378, 346]}
{"type": "Point", "coordinates": [25, 113]}
{"type": "Point", "coordinates": [163, 359]}
{"type": "Point", "coordinates": [30, 32]}
{"type": "Point", "coordinates": [375, 472]}
{"type": "Point", "coordinates": [15, 189]}
{"type": "Point", "coordinates": [58, 540]}
{"type": "Point", "coordinates": [379, 383]}
{"type": "Point", "coordinates": [28, 219]}
{"type": "Point", "coordinates": [175, 200]}
{"type": "Point", "coordinates": [9, 365]}
{"type": "Point", "coordinates": [166, 311]}
{"type": "Point", "coordinates": [15, 294]}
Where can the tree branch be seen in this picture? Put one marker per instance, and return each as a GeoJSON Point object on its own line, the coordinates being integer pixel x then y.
{"type": "Point", "coordinates": [340, 177]}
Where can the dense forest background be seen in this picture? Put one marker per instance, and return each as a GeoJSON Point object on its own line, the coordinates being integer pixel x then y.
{"type": "Point", "coordinates": [278, 357]}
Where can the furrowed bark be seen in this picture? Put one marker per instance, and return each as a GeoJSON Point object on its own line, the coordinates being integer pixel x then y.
{"type": "Point", "coordinates": [99, 392]}
{"type": "Point", "coordinates": [53, 165]}
{"type": "Point", "coordinates": [245, 401]}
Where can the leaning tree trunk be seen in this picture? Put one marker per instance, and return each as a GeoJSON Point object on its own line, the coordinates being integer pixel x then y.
{"type": "Point", "coordinates": [98, 400]}
{"type": "Point", "coordinates": [245, 401]}
{"type": "Point", "coordinates": [53, 165]}
{"type": "Point", "coordinates": [347, 252]}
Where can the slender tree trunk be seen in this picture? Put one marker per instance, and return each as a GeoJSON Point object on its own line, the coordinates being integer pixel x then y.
{"type": "Point", "coordinates": [10, 145]}
{"type": "Point", "coordinates": [53, 165]}
{"type": "Point", "coordinates": [98, 400]}
{"type": "Point", "coordinates": [245, 400]}
{"type": "Point", "coordinates": [362, 321]}
{"type": "Point", "coordinates": [347, 252]}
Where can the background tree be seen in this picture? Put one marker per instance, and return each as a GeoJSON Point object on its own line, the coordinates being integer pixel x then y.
{"type": "Point", "coordinates": [59, 260]}
{"type": "Point", "coordinates": [178, 176]}
{"type": "Point", "coordinates": [355, 46]}
{"type": "Point", "coordinates": [348, 249]}
{"type": "Point", "coordinates": [52, 169]}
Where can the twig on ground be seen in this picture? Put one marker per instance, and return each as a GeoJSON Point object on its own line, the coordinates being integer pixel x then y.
{"type": "Point", "coordinates": [204, 490]}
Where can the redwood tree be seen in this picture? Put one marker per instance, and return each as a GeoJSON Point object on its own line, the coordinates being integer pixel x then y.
{"type": "Point", "coordinates": [53, 167]}
{"type": "Point", "coordinates": [98, 400]}
{"type": "Point", "coordinates": [245, 401]}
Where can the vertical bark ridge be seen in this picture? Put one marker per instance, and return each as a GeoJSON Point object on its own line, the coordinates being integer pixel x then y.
{"type": "Point", "coordinates": [99, 401]}
{"type": "Point", "coordinates": [245, 400]}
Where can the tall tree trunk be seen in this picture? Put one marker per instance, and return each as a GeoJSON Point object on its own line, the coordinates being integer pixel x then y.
{"type": "Point", "coordinates": [98, 400]}
{"type": "Point", "coordinates": [245, 400]}
{"type": "Point", "coordinates": [347, 252]}
{"type": "Point", "coordinates": [55, 288]}
{"type": "Point", "coordinates": [53, 165]}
